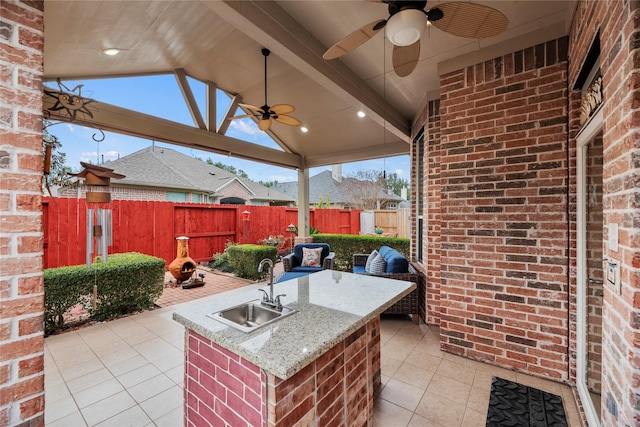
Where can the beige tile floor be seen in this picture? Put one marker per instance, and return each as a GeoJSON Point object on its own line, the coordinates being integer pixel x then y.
{"type": "Point", "coordinates": [129, 372]}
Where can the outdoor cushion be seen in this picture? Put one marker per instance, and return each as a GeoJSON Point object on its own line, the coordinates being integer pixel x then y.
{"type": "Point", "coordinates": [396, 262]}
{"type": "Point", "coordinates": [373, 254]}
{"type": "Point", "coordinates": [297, 251]}
{"type": "Point", "coordinates": [311, 257]}
{"type": "Point", "coordinates": [378, 265]}
{"type": "Point", "coordinates": [359, 269]}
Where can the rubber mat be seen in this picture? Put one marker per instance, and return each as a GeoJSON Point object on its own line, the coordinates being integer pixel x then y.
{"type": "Point", "coordinates": [512, 404]}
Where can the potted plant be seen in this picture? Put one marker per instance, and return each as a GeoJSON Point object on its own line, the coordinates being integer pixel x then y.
{"type": "Point", "coordinates": [379, 230]}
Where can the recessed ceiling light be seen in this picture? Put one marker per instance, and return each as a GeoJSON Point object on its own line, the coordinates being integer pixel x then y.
{"type": "Point", "coordinates": [361, 114]}
{"type": "Point", "coordinates": [304, 129]}
{"type": "Point", "coordinates": [111, 51]}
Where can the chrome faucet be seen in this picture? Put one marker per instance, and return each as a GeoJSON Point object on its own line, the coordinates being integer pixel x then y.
{"type": "Point", "coordinates": [268, 298]}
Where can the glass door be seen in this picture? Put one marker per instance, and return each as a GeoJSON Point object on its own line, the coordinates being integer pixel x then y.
{"type": "Point", "coordinates": [589, 299]}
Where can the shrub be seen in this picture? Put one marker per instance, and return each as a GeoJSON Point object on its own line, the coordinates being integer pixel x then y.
{"type": "Point", "coordinates": [221, 262]}
{"type": "Point", "coordinates": [125, 283]}
{"type": "Point", "coordinates": [244, 259]}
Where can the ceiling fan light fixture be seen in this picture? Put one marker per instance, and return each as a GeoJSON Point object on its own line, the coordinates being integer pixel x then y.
{"type": "Point", "coordinates": [304, 129]}
{"type": "Point", "coordinates": [405, 27]}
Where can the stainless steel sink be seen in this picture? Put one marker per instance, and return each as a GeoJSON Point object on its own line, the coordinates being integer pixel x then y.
{"type": "Point", "coordinates": [251, 315]}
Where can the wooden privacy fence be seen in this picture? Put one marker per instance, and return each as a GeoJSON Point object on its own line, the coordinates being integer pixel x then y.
{"type": "Point", "coordinates": [151, 227]}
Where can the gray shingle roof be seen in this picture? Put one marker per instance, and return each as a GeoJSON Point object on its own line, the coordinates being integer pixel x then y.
{"type": "Point", "coordinates": [167, 168]}
{"type": "Point", "coordinates": [323, 184]}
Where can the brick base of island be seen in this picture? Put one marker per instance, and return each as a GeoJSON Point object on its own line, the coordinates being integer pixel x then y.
{"type": "Point", "coordinates": [327, 377]}
{"type": "Point", "coordinates": [336, 389]}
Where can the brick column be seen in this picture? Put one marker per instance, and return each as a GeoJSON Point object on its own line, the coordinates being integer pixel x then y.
{"type": "Point", "coordinates": [21, 285]}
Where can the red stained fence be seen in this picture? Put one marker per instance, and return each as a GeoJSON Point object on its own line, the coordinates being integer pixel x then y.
{"type": "Point", "coordinates": [151, 227]}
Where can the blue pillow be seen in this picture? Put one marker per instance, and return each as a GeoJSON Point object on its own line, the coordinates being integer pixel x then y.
{"type": "Point", "coordinates": [396, 262]}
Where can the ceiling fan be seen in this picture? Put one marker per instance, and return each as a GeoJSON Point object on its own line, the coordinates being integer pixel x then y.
{"type": "Point", "coordinates": [408, 19]}
{"type": "Point", "coordinates": [267, 114]}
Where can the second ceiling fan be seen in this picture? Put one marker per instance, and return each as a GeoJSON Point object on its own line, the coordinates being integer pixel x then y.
{"type": "Point", "coordinates": [267, 114]}
{"type": "Point", "coordinates": [408, 19]}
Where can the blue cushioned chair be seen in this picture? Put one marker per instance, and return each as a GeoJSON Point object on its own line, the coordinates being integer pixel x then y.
{"type": "Point", "coordinates": [293, 261]}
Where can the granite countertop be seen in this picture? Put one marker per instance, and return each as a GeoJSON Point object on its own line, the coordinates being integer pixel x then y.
{"type": "Point", "coordinates": [331, 304]}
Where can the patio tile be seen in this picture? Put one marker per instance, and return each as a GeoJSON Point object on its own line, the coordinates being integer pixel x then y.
{"type": "Point", "coordinates": [133, 416]}
{"type": "Point", "coordinates": [419, 421]}
{"type": "Point", "coordinates": [172, 419]}
{"type": "Point", "coordinates": [127, 365]}
{"type": "Point", "coordinates": [138, 375]}
{"type": "Point", "coordinates": [387, 414]}
{"type": "Point", "coordinates": [402, 394]}
{"type": "Point", "coordinates": [169, 360]}
{"type": "Point", "coordinates": [176, 374]}
{"type": "Point", "coordinates": [450, 389]}
{"type": "Point", "coordinates": [118, 355]}
{"type": "Point", "coordinates": [414, 376]}
{"type": "Point", "coordinates": [91, 379]}
{"type": "Point", "coordinates": [473, 418]}
{"type": "Point", "coordinates": [74, 419]}
{"type": "Point", "coordinates": [80, 369]}
{"type": "Point", "coordinates": [163, 403]}
{"type": "Point", "coordinates": [461, 373]}
{"type": "Point", "coordinates": [107, 408]}
{"type": "Point", "coordinates": [151, 387]}
{"type": "Point", "coordinates": [55, 409]}
{"type": "Point", "coordinates": [479, 399]}
{"type": "Point", "coordinates": [438, 408]}
{"type": "Point", "coordinates": [97, 393]}
{"type": "Point", "coordinates": [389, 365]}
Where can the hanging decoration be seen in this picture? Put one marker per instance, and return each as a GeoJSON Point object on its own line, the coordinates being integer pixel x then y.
{"type": "Point", "coordinates": [68, 101]}
{"type": "Point", "coordinates": [98, 180]}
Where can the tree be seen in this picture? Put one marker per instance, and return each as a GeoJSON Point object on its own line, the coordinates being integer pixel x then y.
{"type": "Point", "coordinates": [228, 168]}
{"type": "Point", "coordinates": [363, 189]}
{"type": "Point", "coordinates": [396, 184]}
{"type": "Point", "coordinates": [58, 173]}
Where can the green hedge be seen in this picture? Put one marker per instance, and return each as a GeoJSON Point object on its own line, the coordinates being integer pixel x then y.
{"type": "Point", "coordinates": [244, 259]}
{"type": "Point", "coordinates": [125, 283]}
{"type": "Point", "coordinates": [345, 245]}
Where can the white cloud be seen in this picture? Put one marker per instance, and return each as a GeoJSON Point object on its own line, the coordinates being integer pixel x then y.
{"type": "Point", "coordinates": [399, 172]}
{"type": "Point", "coordinates": [245, 127]}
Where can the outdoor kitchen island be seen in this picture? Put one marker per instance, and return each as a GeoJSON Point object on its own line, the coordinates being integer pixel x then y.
{"type": "Point", "coordinates": [318, 366]}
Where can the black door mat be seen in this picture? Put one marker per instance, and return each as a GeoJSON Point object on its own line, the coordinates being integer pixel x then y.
{"type": "Point", "coordinates": [513, 404]}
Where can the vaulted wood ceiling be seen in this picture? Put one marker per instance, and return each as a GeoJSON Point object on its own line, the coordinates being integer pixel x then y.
{"type": "Point", "coordinates": [219, 42]}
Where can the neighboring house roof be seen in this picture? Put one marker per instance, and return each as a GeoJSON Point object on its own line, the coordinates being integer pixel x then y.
{"type": "Point", "coordinates": [170, 169]}
{"type": "Point", "coordinates": [323, 184]}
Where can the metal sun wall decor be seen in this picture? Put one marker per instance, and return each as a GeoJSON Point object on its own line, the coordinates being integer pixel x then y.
{"type": "Point", "coordinates": [69, 101]}
{"type": "Point", "coordinates": [591, 100]}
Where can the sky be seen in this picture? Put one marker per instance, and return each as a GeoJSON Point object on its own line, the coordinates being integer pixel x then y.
{"type": "Point", "coordinates": [160, 96]}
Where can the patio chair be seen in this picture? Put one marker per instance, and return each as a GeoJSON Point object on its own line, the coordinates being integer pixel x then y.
{"type": "Point", "coordinates": [307, 258]}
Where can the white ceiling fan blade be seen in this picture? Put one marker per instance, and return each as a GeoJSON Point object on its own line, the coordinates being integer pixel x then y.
{"type": "Point", "coordinates": [353, 40]}
{"type": "Point", "coordinates": [471, 20]}
{"type": "Point", "coordinates": [405, 58]}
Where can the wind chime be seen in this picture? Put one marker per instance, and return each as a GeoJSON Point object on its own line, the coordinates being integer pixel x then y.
{"type": "Point", "coordinates": [98, 181]}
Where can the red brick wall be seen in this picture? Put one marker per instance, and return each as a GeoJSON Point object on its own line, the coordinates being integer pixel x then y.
{"type": "Point", "coordinates": [336, 389]}
{"type": "Point", "coordinates": [617, 22]}
{"type": "Point", "coordinates": [21, 285]}
{"type": "Point", "coordinates": [501, 169]}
